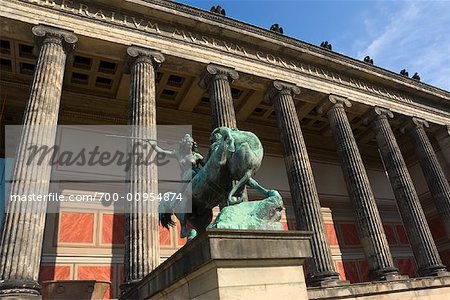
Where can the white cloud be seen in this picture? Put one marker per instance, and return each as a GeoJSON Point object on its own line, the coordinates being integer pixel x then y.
{"type": "Point", "coordinates": [415, 37]}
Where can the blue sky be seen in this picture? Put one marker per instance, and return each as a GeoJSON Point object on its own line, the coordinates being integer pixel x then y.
{"type": "Point", "coordinates": [414, 35]}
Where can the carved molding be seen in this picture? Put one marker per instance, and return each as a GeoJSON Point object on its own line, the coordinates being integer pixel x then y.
{"type": "Point", "coordinates": [312, 49]}
{"type": "Point", "coordinates": [49, 34]}
{"type": "Point", "coordinates": [299, 46]}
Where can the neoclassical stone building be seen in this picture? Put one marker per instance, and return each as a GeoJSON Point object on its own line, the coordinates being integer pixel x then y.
{"type": "Point", "coordinates": [361, 154]}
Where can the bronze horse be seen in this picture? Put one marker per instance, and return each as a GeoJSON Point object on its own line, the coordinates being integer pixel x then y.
{"type": "Point", "coordinates": [234, 155]}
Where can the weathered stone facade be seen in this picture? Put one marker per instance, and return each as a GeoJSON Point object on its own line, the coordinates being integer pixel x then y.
{"type": "Point", "coordinates": [338, 161]}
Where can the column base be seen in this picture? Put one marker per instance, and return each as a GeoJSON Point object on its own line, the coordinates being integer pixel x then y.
{"type": "Point", "coordinates": [434, 270]}
{"type": "Point", "coordinates": [387, 274]}
{"type": "Point", "coordinates": [20, 289]}
{"type": "Point", "coordinates": [124, 287]}
{"type": "Point", "coordinates": [325, 279]}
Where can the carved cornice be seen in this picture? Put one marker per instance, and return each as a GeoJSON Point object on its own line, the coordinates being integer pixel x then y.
{"type": "Point", "coordinates": [214, 72]}
{"type": "Point", "coordinates": [49, 34]}
{"type": "Point", "coordinates": [331, 101]}
{"type": "Point", "coordinates": [301, 45]}
{"type": "Point", "coordinates": [138, 54]}
{"type": "Point", "coordinates": [376, 112]}
{"type": "Point", "coordinates": [278, 87]}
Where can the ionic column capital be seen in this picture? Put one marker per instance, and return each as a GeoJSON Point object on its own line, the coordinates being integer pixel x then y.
{"type": "Point", "coordinates": [280, 87]}
{"type": "Point", "coordinates": [415, 122]}
{"type": "Point", "coordinates": [332, 101]}
{"type": "Point", "coordinates": [214, 72]}
{"type": "Point", "coordinates": [139, 54]}
{"type": "Point", "coordinates": [377, 113]}
{"type": "Point", "coordinates": [418, 122]}
{"type": "Point", "coordinates": [48, 34]}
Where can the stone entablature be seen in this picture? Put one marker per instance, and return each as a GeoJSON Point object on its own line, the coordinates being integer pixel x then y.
{"type": "Point", "coordinates": [310, 74]}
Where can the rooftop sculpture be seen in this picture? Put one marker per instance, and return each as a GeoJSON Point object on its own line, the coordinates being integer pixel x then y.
{"type": "Point", "coordinates": [218, 10]}
{"type": "Point", "coordinates": [368, 60]}
{"type": "Point", "coordinates": [326, 45]}
{"type": "Point", "coordinates": [234, 155]}
{"type": "Point", "coordinates": [276, 28]}
{"type": "Point", "coordinates": [404, 73]}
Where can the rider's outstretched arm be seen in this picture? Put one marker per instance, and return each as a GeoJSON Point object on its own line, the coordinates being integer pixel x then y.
{"type": "Point", "coordinates": [160, 150]}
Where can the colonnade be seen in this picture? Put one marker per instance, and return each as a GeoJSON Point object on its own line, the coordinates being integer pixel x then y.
{"type": "Point", "coordinates": [23, 227]}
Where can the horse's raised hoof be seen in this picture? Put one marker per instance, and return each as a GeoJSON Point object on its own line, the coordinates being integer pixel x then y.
{"type": "Point", "coordinates": [192, 233]}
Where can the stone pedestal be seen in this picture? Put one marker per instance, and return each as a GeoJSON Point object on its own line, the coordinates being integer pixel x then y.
{"type": "Point", "coordinates": [231, 264]}
{"type": "Point", "coordinates": [74, 289]}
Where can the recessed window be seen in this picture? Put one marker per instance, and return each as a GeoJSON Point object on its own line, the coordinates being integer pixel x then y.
{"type": "Point", "coordinates": [5, 47]}
{"type": "Point", "coordinates": [235, 93]}
{"type": "Point", "coordinates": [168, 94]}
{"type": "Point", "coordinates": [26, 68]}
{"type": "Point", "coordinates": [107, 67]}
{"type": "Point", "coordinates": [205, 100]}
{"type": "Point", "coordinates": [304, 121]}
{"type": "Point", "coordinates": [79, 78]}
{"type": "Point", "coordinates": [82, 62]}
{"type": "Point", "coordinates": [5, 64]}
{"type": "Point", "coordinates": [273, 114]}
{"type": "Point", "coordinates": [26, 51]}
{"type": "Point", "coordinates": [103, 82]}
{"type": "Point", "coordinates": [259, 111]}
{"type": "Point", "coordinates": [175, 80]}
{"type": "Point", "coordinates": [317, 124]}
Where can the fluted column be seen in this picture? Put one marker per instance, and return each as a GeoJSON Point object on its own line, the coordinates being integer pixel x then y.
{"type": "Point", "coordinates": [422, 244]}
{"type": "Point", "coordinates": [443, 138]}
{"type": "Point", "coordinates": [23, 225]}
{"type": "Point", "coordinates": [435, 177]}
{"type": "Point", "coordinates": [217, 80]}
{"type": "Point", "coordinates": [141, 217]}
{"type": "Point", "coordinates": [305, 199]}
{"type": "Point", "coordinates": [370, 228]}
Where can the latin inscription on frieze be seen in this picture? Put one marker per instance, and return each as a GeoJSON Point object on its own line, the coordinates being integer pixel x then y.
{"type": "Point", "coordinates": [190, 36]}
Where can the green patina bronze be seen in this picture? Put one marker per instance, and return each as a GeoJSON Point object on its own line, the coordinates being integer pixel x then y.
{"type": "Point", "coordinates": [234, 157]}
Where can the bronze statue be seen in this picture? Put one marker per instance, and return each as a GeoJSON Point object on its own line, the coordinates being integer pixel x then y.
{"type": "Point", "coordinates": [218, 10]}
{"type": "Point", "coordinates": [404, 73]}
{"type": "Point", "coordinates": [234, 155]}
{"type": "Point", "coordinates": [276, 28]}
{"type": "Point", "coordinates": [326, 45]}
{"type": "Point", "coordinates": [368, 60]}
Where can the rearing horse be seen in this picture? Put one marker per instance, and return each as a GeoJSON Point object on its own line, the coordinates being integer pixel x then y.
{"type": "Point", "coordinates": [233, 156]}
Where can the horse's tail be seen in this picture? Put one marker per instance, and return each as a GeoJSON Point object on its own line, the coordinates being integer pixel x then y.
{"type": "Point", "coordinates": [239, 184]}
{"type": "Point", "coordinates": [166, 220]}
